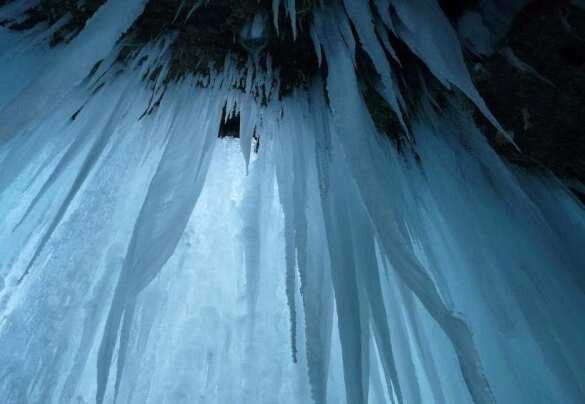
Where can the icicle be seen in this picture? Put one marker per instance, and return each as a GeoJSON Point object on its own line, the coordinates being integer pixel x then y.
{"type": "Point", "coordinates": [178, 12]}
{"type": "Point", "coordinates": [251, 211]}
{"type": "Point", "coordinates": [383, 35]}
{"type": "Point", "coordinates": [16, 9]}
{"type": "Point", "coordinates": [317, 46]}
{"type": "Point", "coordinates": [254, 34]}
{"type": "Point", "coordinates": [196, 5]}
{"type": "Point", "coordinates": [248, 122]}
{"type": "Point", "coordinates": [275, 15]}
{"type": "Point", "coordinates": [291, 8]}
{"type": "Point", "coordinates": [360, 14]}
{"type": "Point", "coordinates": [370, 280]}
{"type": "Point", "coordinates": [173, 190]}
{"type": "Point", "coordinates": [129, 98]}
{"type": "Point", "coordinates": [311, 241]}
{"type": "Point", "coordinates": [151, 247]}
{"type": "Point", "coordinates": [76, 60]}
{"type": "Point", "coordinates": [520, 65]}
{"type": "Point", "coordinates": [428, 33]}
{"type": "Point", "coordinates": [383, 9]}
{"type": "Point", "coordinates": [287, 179]}
{"type": "Point", "coordinates": [346, 299]}
{"type": "Point", "coordinates": [351, 119]}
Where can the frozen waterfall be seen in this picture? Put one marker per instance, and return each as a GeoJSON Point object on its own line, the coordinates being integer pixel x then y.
{"type": "Point", "coordinates": [145, 260]}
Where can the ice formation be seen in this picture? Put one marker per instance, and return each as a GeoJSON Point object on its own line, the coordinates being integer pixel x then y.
{"type": "Point", "coordinates": [145, 260]}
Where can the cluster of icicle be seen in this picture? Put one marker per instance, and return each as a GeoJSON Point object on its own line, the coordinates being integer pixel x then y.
{"type": "Point", "coordinates": [144, 260]}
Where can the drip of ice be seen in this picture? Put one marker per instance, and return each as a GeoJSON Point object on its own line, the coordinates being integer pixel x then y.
{"type": "Point", "coordinates": [254, 34]}
{"type": "Point", "coordinates": [144, 260]}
